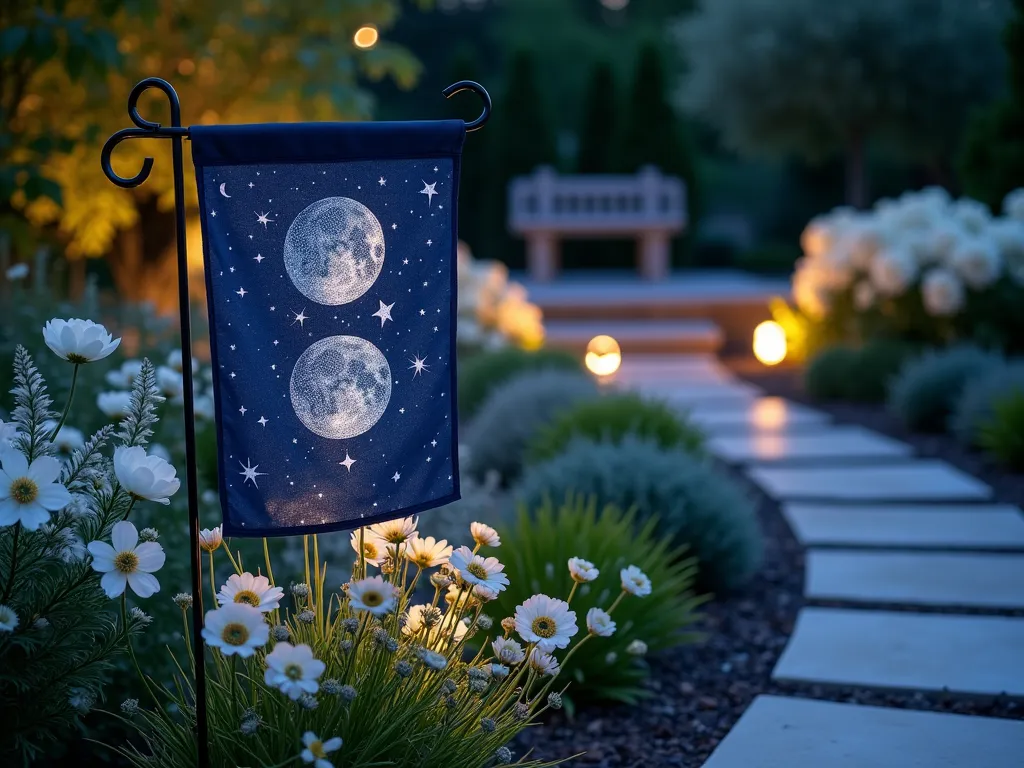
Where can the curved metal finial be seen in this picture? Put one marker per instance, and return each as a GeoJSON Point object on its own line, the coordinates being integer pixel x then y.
{"type": "Point", "coordinates": [147, 129]}
{"type": "Point", "coordinates": [479, 90]}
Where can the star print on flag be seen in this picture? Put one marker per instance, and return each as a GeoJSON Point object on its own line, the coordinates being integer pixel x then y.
{"type": "Point", "coordinates": [331, 294]}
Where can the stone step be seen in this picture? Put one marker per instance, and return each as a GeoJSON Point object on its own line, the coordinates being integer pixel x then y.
{"type": "Point", "coordinates": [961, 579]}
{"type": "Point", "coordinates": [991, 526]}
{"type": "Point", "coordinates": [826, 445]}
{"type": "Point", "coordinates": [773, 415]}
{"type": "Point", "coordinates": [890, 650]}
{"type": "Point", "coordinates": [782, 732]}
{"type": "Point", "coordinates": [636, 336]}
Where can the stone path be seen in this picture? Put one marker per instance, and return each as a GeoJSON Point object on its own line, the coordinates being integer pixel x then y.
{"type": "Point", "coordinates": [882, 528]}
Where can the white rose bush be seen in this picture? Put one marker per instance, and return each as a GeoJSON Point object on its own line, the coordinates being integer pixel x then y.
{"type": "Point", "coordinates": [922, 268]}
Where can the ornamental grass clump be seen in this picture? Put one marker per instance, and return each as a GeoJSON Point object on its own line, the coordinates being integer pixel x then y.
{"type": "Point", "coordinates": [481, 374]}
{"type": "Point", "coordinates": [974, 408]}
{"type": "Point", "coordinates": [1002, 435]}
{"type": "Point", "coordinates": [405, 664]}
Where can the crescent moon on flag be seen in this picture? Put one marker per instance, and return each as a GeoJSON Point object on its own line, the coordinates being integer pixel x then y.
{"type": "Point", "coordinates": [222, 190]}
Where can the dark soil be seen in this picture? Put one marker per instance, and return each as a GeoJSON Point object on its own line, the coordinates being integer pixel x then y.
{"type": "Point", "coordinates": [698, 692]}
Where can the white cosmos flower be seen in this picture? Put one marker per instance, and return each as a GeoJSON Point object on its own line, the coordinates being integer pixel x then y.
{"type": "Point", "coordinates": [8, 433]}
{"type": "Point", "coordinates": [211, 539]}
{"type": "Point", "coordinates": [543, 663]}
{"type": "Point", "coordinates": [635, 581]}
{"type": "Point", "coordinates": [396, 531]}
{"type": "Point", "coordinates": [8, 619]}
{"type": "Point", "coordinates": [203, 408]}
{"type": "Point", "coordinates": [78, 341]}
{"type": "Point", "coordinates": [600, 623]}
{"type": "Point", "coordinates": [428, 552]}
{"type": "Point", "coordinates": [169, 382]}
{"type": "Point", "coordinates": [484, 535]}
{"type": "Point", "coordinates": [373, 594]}
{"type": "Point", "coordinates": [546, 621]}
{"type": "Point", "coordinates": [977, 262]}
{"type": "Point", "coordinates": [237, 629]}
{"type": "Point", "coordinates": [942, 293]}
{"type": "Point", "coordinates": [68, 439]}
{"type": "Point", "coordinates": [174, 362]}
{"type": "Point", "coordinates": [448, 629]}
{"type": "Point", "coordinates": [507, 650]}
{"type": "Point", "coordinates": [116, 405]}
{"type": "Point", "coordinates": [293, 670]}
{"type": "Point", "coordinates": [582, 570]}
{"type": "Point", "coordinates": [251, 590]}
{"type": "Point", "coordinates": [316, 750]}
{"type": "Point", "coordinates": [374, 547]}
{"type": "Point", "coordinates": [892, 271]}
{"type": "Point", "coordinates": [1013, 204]}
{"type": "Point", "coordinates": [124, 377]}
{"type": "Point", "coordinates": [145, 477]}
{"type": "Point", "coordinates": [475, 569]}
{"type": "Point", "coordinates": [28, 493]}
{"type": "Point", "coordinates": [127, 562]}
{"type": "Point", "coordinates": [972, 215]}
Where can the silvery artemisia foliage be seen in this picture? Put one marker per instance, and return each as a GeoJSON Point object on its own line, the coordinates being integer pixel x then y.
{"type": "Point", "coordinates": [68, 635]}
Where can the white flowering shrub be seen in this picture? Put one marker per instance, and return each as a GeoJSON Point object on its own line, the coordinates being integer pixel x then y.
{"type": "Point", "coordinates": [923, 268]}
{"type": "Point", "coordinates": [401, 665]}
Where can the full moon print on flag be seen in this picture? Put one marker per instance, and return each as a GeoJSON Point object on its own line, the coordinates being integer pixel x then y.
{"type": "Point", "coordinates": [334, 250]}
{"type": "Point", "coordinates": [340, 386]}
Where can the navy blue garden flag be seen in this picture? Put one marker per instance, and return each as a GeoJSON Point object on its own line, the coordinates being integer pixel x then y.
{"type": "Point", "coordinates": [330, 273]}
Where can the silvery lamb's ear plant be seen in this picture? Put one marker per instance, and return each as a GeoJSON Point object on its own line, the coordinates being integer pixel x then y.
{"type": "Point", "coordinates": [57, 636]}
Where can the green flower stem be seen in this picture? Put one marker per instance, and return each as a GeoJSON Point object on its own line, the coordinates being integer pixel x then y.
{"type": "Point", "coordinates": [234, 684]}
{"type": "Point", "coordinates": [618, 600]}
{"type": "Point", "coordinates": [67, 405]}
{"type": "Point", "coordinates": [128, 511]}
{"type": "Point", "coordinates": [266, 559]}
{"type": "Point", "coordinates": [213, 584]}
{"type": "Point", "coordinates": [131, 650]}
{"type": "Point", "coordinates": [572, 591]}
{"type": "Point", "coordinates": [236, 564]}
{"type": "Point", "coordinates": [14, 560]}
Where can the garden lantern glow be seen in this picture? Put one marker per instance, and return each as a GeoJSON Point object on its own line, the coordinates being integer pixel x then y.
{"type": "Point", "coordinates": [365, 37]}
{"type": "Point", "coordinates": [770, 343]}
{"type": "Point", "coordinates": [603, 356]}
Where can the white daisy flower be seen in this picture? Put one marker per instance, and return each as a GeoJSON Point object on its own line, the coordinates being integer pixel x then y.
{"type": "Point", "coordinates": [635, 581]}
{"type": "Point", "coordinates": [169, 382]}
{"type": "Point", "coordinates": [447, 629]}
{"type": "Point", "coordinates": [484, 535]}
{"type": "Point", "coordinates": [636, 648]}
{"type": "Point", "coordinates": [457, 594]}
{"type": "Point", "coordinates": [28, 493]}
{"type": "Point", "coordinates": [8, 432]}
{"type": "Point", "coordinates": [374, 595]}
{"type": "Point", "coordinates": [251, 590]}
{"type": "Point", "coordinates": [428, 552]}
{"type": "Point", "coordinates": [892, 271]}
{"type": "Point", "coordinates": [116, 405]}
{"type": "Point", "coordinates": [942, 293]}
{"type": "Point", "coordinates": [78, 341]}
{"type": "Point", "coordinates": [374, 547]}
{"type": "Point", "coordinates": [174, 361]}
{"type": "Point", "coordinates": [127, 562]}
{"type": "Point", "coordinates": [546, 621]}
{"type": "Point", "coordinates": [396, 531]}
{"type": "Point", "coordinates": [124, 377]}
{"type": "Point", "coordinates": [145, 477]}
{"type": "Point", "coordinates": [67, 440]}
{"type": "Point", "coordinates": [484, 593]}
{"type": "Point", "coordinates": [293, 670]}
{"type": "Point", "coordinates": [236, 629]}
{"type": "Point", "coordinates": [600, 623]}
{"type": "Point", "coordinates": [211, 539]}
{"type": "Point", "coordinates": [582, 570]}
{"type": "Point", "coordinates": [543, 663]}
{"type": "Point", "coordinates": [977, 262]}
{"type": "Point", "coordinates": [8, 619]}
{"type": "Point", "coordinates": [475, 569]}
{"type": "Point", "coordinates": [507, 650]}
{"type": "Point", "coordinates": [316, 750]}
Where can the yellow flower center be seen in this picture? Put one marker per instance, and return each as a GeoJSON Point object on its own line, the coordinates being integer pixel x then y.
{"type": "Point", "coordinates": [24, 490]}
{"type": "Point", "coordinates": [372, 599]}
{"type": "Point", "coordinates": [74, 357]}
{"type": "Point", "coordinates": [293, 672]}
{"type": "Point", "coordinates": [370, 551]}
{"type": "Point", "coordinates": [477, 570]}
{"type": "Point", "coordinates": [248, 597]}
{"type": "Point", "coordinates": [317, 748]}
{"type": "Point", "coordinates": [544, 626]}
{"type": "Point", "coordinates": [126, 562]}
{"type": "Point", "coordinates": [234, 634]}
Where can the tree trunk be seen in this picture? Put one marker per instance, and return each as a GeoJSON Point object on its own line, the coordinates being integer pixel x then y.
{"type": "Point", "coordinates": [856, 173]}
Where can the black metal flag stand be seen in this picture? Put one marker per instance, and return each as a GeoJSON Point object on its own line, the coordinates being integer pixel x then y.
{"type": "Point", "coordinates": [147, 129]}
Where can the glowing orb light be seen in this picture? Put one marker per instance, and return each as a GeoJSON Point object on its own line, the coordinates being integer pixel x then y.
{"type": "Point", "coordinates": [365, 37]}
{"type": "Point", "coordinates": [770, 343]}
{"type": "Point", "coordinates": [603, 356]}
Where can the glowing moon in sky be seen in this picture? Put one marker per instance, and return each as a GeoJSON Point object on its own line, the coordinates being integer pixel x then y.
{"type": "Point", "coordinates": [222, 190]}
{"type": "Point", "coordinates": [334, 250]}
{"type": "Point", "coordinates": [340, 386]}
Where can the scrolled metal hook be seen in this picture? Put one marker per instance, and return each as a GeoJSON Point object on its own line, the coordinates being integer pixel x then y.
{"type": "Point", "coordinates": [147, 129]}
{"type": "Point", "coordinates": [479, 90]}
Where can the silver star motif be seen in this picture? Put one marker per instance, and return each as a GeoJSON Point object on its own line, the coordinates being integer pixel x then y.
{"type": "Point", "coordinates": [231, 269]}
{"type": "Point", "coordinates": [273, 367]}
{"type": "Point", "coordinates": [394, 226]}
{"type": "Point", "coordinates": [242, 410]}
{"type": "Point", "coordinates": [428, 458]}
{"type": "Point", "coordinates": [250, 472]}
{"type": "Point", "coordinates": [405, 261]}
{"type": "Point", "coordinates": [384, 313]}
{"type": "Point", "coordinates": [232, 374]}
{"type": "Point", "coordinates": [348, 462]}
{"type": "Point", "coordinates": [276, 342]}
{"type": "Point", "coordinates": [435, 169]}
{"type": "Point", "coordinates": [262, 218]}
{"type": "Point", "coordinates": [258, 258]}
{"type": "Point", "coordinates": [422, 312]}
{"type": "Point", "coordinates": [262, 421]}
{"type": "Point", "coordinates": [433, 443]}
{"type": "Point", "coordinates": [295, 441]}
{"type": "Point", "coordinates": [213, 213]}
{"type": "Point", "coordinates": [424, 283]}
{"type": "Point", "coordinates": [300, 318]}
{"type": "Point", "coordinates": [419, 364]}
{"type": "Point", "coordinates": [232, 347]}
{"type": "Point", "coordinates": [251, 185]}
{"type": "Point", "coordinates": [401, 410]}
{"type": "Point", "coordinates": [435, 329]}
{"type": "Point", "coordinates": [430, 242]}
{"type": "Point", "coordinates": [241, 292]}
{"type": "Point", "coordinates": [429, 191]}
{"type": "Point", "coordinates": [382, 181]}
{"type": "Point", "coordinates": [396, 477]}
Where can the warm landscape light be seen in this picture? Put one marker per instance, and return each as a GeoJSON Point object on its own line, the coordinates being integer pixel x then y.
{"type": "Point", "coordinates": [770, 343]}
{"type": "Point", "coordinates": [603, 356]}
{"type": "Point", "coordinates": [365, 37]}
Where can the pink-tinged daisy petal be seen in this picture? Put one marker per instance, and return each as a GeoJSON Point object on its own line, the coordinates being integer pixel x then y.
{"type": "Point", "coordinates": [34, 515]}
{"type": "Point", "coordinates": [143, 584]}
{"type": "Point", "coordinates": [44, 470]}
{"type": "Point", "coordinates": [124, 536]}
{"type": "Point", "coordinates": [113, 583]}
{"type": "Point", "coordinates": [53, 496]}
{"type": "Point", "coordinates": [14, 464]}
{"type": "Point", "coordinates": [151, 556]}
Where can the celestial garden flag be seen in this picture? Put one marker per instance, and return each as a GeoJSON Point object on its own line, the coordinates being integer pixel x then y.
{"type": "Point", "coordinates": [331, 286]}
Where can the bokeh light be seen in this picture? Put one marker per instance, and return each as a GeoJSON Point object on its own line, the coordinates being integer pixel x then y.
{"type": "Point", "coordinates": [365, 37]}
{"type": "Point", "coordinates": [603, 356]}
{"type": "Point", "coordinates": [770, 343]}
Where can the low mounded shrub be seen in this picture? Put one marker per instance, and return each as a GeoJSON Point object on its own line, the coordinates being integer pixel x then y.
{"type": "Point", "coordinates": [974, 407]}
{"type": "Point", "coordinates": [515, 413]}
{"type": "Point", "coordinates": [1003, 434]}
{"type": "Point", "coordinates": [922, 396]}
{"type": "Point", "coordinates": [697, 504]}
{"type": "Point", "coordinates": [535, 550]}
{"type": "Point", "coordinates": [485, 371]}
{"type": "Point", "coordinates": [875, 366]}
{"type": "Point", "coordinates": [827, 374]}
{"type": "Point", "coordinates": [611, 418]}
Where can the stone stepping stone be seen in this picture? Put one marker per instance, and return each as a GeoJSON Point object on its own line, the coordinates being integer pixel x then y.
{"type": "Point", "coordinates": [780, 732]}
{"type": "Point", "coordinates": [917, 481]}
{"type": "Point", "coordinates": [693, 394]}
{"type": "Point", "coordinates": [976, 580]}
{"type": "Point", "coordinates": [991, 526]}
{"type": "Point", "coordinates": [824, 445]}
{"type": "Point", "coordinates": [764, 414]}
{"type": "Point", "coordinates": [978, 655]}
